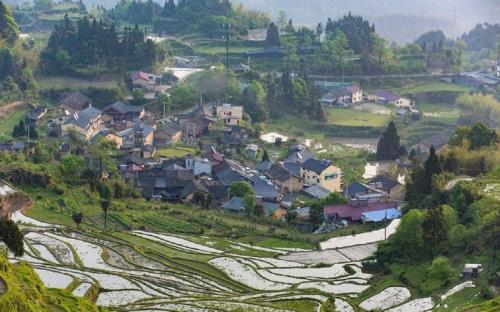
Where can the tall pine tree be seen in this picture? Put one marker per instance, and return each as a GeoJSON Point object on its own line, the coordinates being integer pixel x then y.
{"type": "Point", "coordinates": [432, 166]}
{"type": "Point", "coordinates": [273, 36]}
{"type": "Point", "coordinates": [389, 146]}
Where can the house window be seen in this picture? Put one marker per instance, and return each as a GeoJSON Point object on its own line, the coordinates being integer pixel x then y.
{"type": "Point", "coordinates": [317, 180]}
{"type": "Point", "coordinates": [332, 176]}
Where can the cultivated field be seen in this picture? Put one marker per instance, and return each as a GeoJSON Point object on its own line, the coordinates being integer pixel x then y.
{"type": "Point", "coordinates": [146, 271]}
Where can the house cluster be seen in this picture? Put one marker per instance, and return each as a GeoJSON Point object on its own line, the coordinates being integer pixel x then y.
{"type": "Point", "coordinates": [479, 80]}
{"type": "Point", "coordinates": [275, 185]}
{"type": "Point", "coordinates": [132, 127]}
{"type": "Point", "coordinates": [345, 95]}
{"type": "Point", "coordinates": [374, 201]}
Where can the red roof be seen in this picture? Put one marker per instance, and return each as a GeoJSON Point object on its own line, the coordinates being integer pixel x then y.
{"type": "Point", "coordinates": [353, 89]}
{"type": "Point", "coordinates": [354, 211]}
{"type": "Point", "coordinates": [140, 75]}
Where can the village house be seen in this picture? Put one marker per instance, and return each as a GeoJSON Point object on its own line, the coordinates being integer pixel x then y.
{"type": "Point", "coordinates": [107, 135]}
{"type": "Point", "coordinates": [317, 191]}
{"type": "Point", "coordinates": [343, 96]}
{"type": "Point", "coordinates": [138, 136]}
{"type": "Point", "coordinates": [321, 172]}
{"type": "Point", "coordinates": [232, 115]}
{"type": "Point", "coordinates": [195, 127]}
{"type": "Point", "coordinates": [74, 102]}
{"type": "Point", "coordinates": [284, 179]}
{"type": "Point", "coordinates": [385, 97]}
{"type": "Point", "coordinates": [169, 185]}
{"type": "Point", "coordinates": [234, 205]}
{"type": "Point", "coordinates": [11, 200]}
{"type": "Point", "coordinates": [439, 141]}
{"type": "Point", "coordinates": [298, 154]}
{"type": "Point", "coordinates": [168, 134]}
{"type": "Point", "coordinates": [252, 151]}
{"type": "Point", "coordinates": [146, 81]}
{"type": "Point", "coordinates": [393, 189]}
{"type": "Point", "coordinates": [355, 211]}
{"type": "Point", "coordinates": [35, 114]}
{"type": "Point", "coordinates": [265, 191]}
{"type": "Point", "coordinates": [12, 147]}
{"type": "Point", "coordinates": [477, 80]}
{"type": "Point", "coordinates": [233, 139]}
{"type": "Point", "coordinates": [120, 111]}
{"type": "Point", "coordinates": [199, 166]}
{"type": "Point", "coordinates": [85, 123]}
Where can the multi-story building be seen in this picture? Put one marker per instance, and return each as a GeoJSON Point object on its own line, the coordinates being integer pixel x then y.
{"type": "Point", "coordinates": [321, 172]}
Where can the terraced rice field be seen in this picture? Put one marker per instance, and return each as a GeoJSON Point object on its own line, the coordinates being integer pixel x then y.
{"type": "Point", "coordinates": [143, 271]}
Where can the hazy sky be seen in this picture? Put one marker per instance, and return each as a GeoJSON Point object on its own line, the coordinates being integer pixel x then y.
{"type": "Point", "coordinates": [392, 17]}
{"type": "Point", "coordinates": [398, 20]}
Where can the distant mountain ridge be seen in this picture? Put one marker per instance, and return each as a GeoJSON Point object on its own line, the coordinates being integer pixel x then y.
{"type": "Point", "coordinates": [398, 20]}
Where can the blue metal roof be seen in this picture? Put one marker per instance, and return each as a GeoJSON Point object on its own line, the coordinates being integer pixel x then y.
{"type": "Point", "coordinates": [381, 215]}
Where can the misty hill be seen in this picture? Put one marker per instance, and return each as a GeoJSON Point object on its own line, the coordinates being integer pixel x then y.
{"type": "Point", "coordinates": [397, 20]}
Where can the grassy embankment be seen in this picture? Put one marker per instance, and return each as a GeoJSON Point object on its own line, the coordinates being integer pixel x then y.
{"type": "Point", "coordinates": [25, 292]}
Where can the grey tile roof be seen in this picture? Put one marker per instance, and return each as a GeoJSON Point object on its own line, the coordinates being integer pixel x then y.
{"type": "Point", "coordinates": [265, 191]}
{"type": "Point", "coordinates": [355, 188]}
{"type": "Point", "coordinates": [315, 165]}
{"type": "Point", "coordinates": [82, 118]}
{"type": "Point", "coordinates": [299, 154]}
{"type": "Point", "coordinates": [234, 204]}
{"type": "Point", "coordinates": [387, 183]}
{"type": "Point", "coordinates": [293, 167]}
{"type": "Point", "coordinates": [75, 101]}
{"type": "Point", "coordinates": [317, 191]}
{"type": "Point", "coordinates": [124, 108]}
{"type": "Point", "coordinates": [264, 166]}
{"type": "Point", "coordinates": [277, 172]}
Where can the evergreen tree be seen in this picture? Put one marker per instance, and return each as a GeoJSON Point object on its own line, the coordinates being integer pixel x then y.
{"type": "Point", "coordinates": [19, 129]}
{"type": "Point", "coordinates": [273, 36]}
{"type": "Point", "coordinates": [105, 205]}
{"type": "Point", "coordinates": [432, 166]}
{"type": "Point", "coordinates": [319, 31]}
{"type": "Point", "coordinates": [168, 8]}
{"type": "Point", "coordinates": [12, 236]}
{"type": "Point", "coordinates": [319, 112]}
{"type": "Point", "coordinates": [289, 29]}
{"type": "Point", "coordinates": [389, 146]}
{"type": "Point", "coordinates": [77, 218]}
{"type": "Point", "coordinates": [8, 27]}
{"type": "Point", "coordinates": [434, 228]}
{"type": "Point", "coordinates": [33, 133]}
{"type": "Point", "coordinates": [6, 64]}
{"type": "Point", "coordinates": [265, 156]}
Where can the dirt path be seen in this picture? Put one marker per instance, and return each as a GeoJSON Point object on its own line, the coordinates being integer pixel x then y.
{"type": "Point", "coordinates": [5, 110]}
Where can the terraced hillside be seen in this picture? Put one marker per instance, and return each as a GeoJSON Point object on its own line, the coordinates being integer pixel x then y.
{"type": "Point", "coordinates": [145, 271]}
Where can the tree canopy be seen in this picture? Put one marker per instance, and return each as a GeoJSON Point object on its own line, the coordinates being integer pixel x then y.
{"type": "Point", "coordinates": [95, 44]}
{"type": "Point", "coordinates": [389, 146]}
{"type": "Point", "coordinates": [8, 27]}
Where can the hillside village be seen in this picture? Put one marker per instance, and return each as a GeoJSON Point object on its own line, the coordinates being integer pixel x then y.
{"type": "Point", "coordinates": [235, 155]}
{"type": "Point", "coordinates": [200, 156]}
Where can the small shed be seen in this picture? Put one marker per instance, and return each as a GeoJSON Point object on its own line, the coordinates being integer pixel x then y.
{"type": "Point", "coordinates": [472, 270]}
{"type": "Point", "coordinates": [252, 150]}
{"type": "Point", "coordinates": [234, 205]}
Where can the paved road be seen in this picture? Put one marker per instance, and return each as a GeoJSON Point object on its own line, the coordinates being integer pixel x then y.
{"type": "Point", "coordinates": [454, 182]}
{"type": "Point", "coordinates": [381, 76]}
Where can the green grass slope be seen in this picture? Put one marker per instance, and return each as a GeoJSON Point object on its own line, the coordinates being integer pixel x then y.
{"type": "Point", "coordinates": [24, 292]}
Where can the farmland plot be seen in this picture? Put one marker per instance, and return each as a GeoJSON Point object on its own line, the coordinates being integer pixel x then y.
{"type": "Point", "coordinates": [170, 272]}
